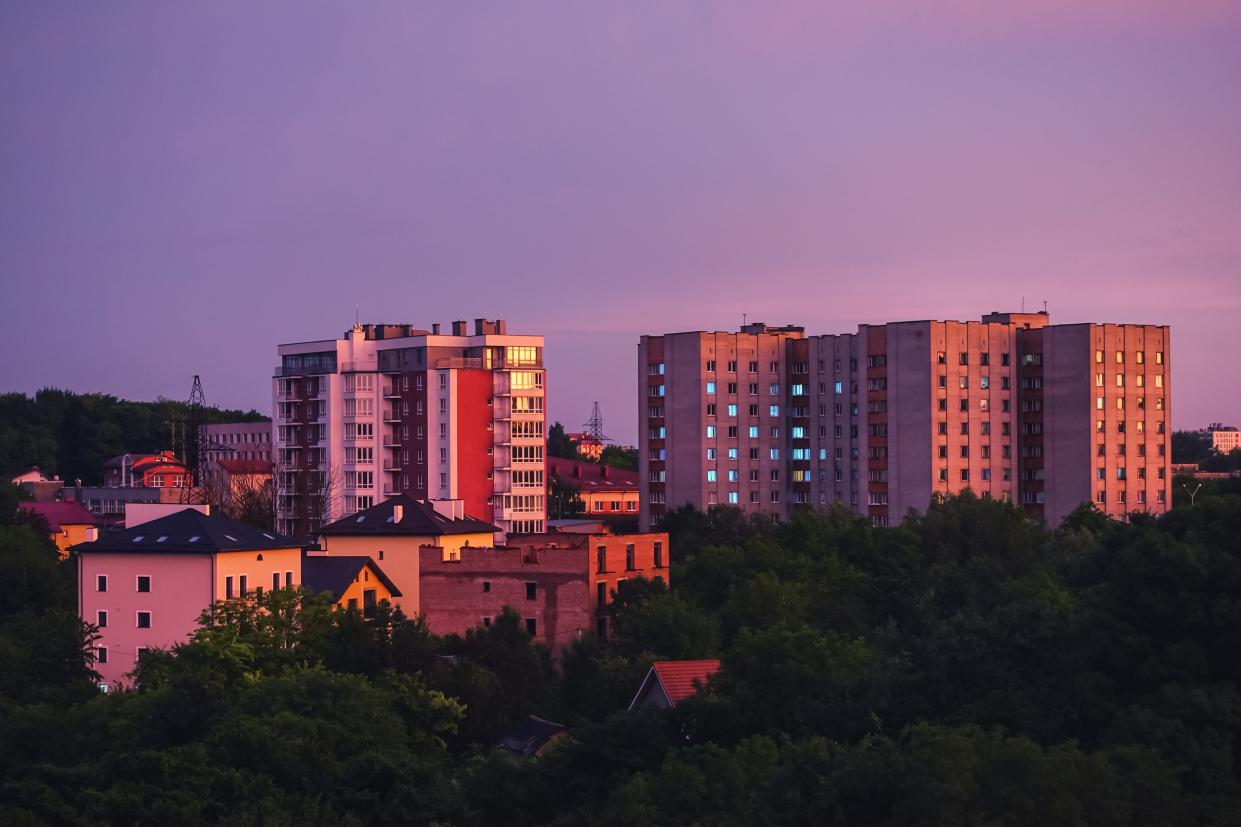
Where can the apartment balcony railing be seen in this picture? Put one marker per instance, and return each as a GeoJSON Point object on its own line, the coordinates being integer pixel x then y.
{"type": "Point", "coordinates": [389, 489]}
{"type": "Point", "coordinates": [462, 362]}
{"type": "Point", "coordinates": [391, 465]}
{"type": "Point", "coordinates": [392, 392]}
{"type": "Point", "coordinates": [392, 441]}
{"type": "Point", "coordinates": [359, 365]}
{"type": "Point", "coordinates": [392, 415]}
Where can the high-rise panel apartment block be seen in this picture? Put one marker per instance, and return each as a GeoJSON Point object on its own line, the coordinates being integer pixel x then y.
{"type": "Point", "coordinates": [391, 409]}
{"type": "Point", "coordinates": [1009, 407]}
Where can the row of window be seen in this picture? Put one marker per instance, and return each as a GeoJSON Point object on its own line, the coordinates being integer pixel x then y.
{"type": "Point", "coordinates": [1139, 357]}
{"type": "Point", "coordinates": [1101, 496]}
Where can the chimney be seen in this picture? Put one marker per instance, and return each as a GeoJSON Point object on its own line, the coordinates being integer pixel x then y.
{"type": "Point", "coordinates": [398, 513]}
{"type": "Point", "coordinates": [435, 329]}
{"type": "Point", "coordinates": [501, 327]}
{"type": "Point", "coordinates": [458, 328]}
{"type": "Point", "coordinates": [452, 509]}
{"type": "Point", "coordinates": [479, 328]}
{"type": "Point", "coordinates": [92, 534]}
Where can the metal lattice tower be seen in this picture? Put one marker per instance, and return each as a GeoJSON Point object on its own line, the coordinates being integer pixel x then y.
{"type": "Point", "coordinates": [192, 436]}
{"type": "Point", "coordinates": [594, 426]}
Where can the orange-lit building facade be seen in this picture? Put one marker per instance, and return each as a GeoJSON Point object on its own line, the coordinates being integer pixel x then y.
{"type": "Point", "coordinates": [560, 584]}
{"type": "Point", "coordinates": [1009, 407]}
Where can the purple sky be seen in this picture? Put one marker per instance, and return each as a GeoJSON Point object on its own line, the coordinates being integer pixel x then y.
{"type": "Point", "coordinates": [183, 186]}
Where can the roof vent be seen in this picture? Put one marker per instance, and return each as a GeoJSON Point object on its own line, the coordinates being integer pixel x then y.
{"type": "Point", "coordinates": [194, 539]}
{"type": "Point", "coordinates": [231, 537]}
{"type": "Point", "coordinates": [360, 519]}
{"type": "Point", "coordinates": [162, 538]}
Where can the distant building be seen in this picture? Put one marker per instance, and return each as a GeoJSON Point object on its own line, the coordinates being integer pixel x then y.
{"type": "Point", "coordinates": [390, 409]}
{"type": "Point", "coordinates": [1010, 407]}
{"type": "Point", "coordinates": [68, 522]}
{"type": "Point", "coordinates": [533, 736]}
{"type": "Point", "coordinates": [236, 440]}
{"type": "Point", "coordinates": [560, 584]}
{"type": "Point", "coordinates": [146, 586]}
{"type": "Point", "coordinates": [1225, 439]}
{"type": "Point", "coordinates": [159, 470]}
{"type": "Point", "coordinates": [586, 445]}
{"type": "Point", "coordinates": [393, 532]}
{"type": "Point", "coordinates": [604, 491]}
{"type": "Point", "coordinates": [671, 681]}
{"type": "Point", "coordinates": [33, 482]}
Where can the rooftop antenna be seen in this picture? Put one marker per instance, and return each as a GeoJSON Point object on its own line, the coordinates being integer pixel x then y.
{"type": "Point", "coordinates": [1044, 307]}
{"type": "Point", "coordinates": [1023, 304]}
{"type": "Point", "coordinates": [743, 318]}
{"type": "Point", "coordinates": [192, 440]}
{"type": "Point", "coordinates": [594, 426]}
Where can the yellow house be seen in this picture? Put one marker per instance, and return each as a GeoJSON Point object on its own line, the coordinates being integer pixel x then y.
{"type": "Point", "coordinates": [68, 523]}
{"type": "Point", "coordinates": [391, 532]}
{"type": "Point", "coordinates": [353, 582]}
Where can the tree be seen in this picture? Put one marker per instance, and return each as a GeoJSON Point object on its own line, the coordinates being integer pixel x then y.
{"type": "Point", "coordinates": [559, 444]}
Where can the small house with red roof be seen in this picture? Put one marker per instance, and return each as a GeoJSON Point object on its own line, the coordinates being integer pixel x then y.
{"type": "Point", "coordinates": [671, 681]}
{"type": "Point", "coordinates": [67, 522]}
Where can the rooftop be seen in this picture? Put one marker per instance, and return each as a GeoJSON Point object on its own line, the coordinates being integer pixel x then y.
{"type": "Point", "coordinates": [417, 518]}
{"type": "Point", "coordinates": [61, 514]}
{"type": "Point", "coordinates": [326, 573]}
{"type": "Point", "coordinates": [188, 530]}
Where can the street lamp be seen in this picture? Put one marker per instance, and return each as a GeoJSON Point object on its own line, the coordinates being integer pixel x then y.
{"type": "Point", "coordinates": [1191, 493]}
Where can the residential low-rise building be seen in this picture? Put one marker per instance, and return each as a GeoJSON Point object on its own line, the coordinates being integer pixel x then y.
{"type": "Point", "coordinates": [68, 522]}
{"type": "Point", "coordinates": [1225, 439]}
{"type": "Point", "coordinates": [146, 586]}
{"type": "Point", "coordinates": [562, 585]}
{"type": "Point", "coordinates": [604, 491]}
{"type": "Point", "coordinates": [671, 681]}
{"type": "Point", "coordinates": [236, 440]}
{"type": "Point", "coordinates": [353, 582]}
{"type": "Point", "coordinates": [392, 533]}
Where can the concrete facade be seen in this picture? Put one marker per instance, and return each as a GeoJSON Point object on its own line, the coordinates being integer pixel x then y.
{"type": "Point", "coordinates": [882, 420]}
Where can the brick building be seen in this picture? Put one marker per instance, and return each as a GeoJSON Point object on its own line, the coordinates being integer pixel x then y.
{"type": "Point", "coordinates": [605, 491]}
{"type": "Point", "coordinates": [560, 584]}
{"type": "Point", "coordinates": [1009, 407]}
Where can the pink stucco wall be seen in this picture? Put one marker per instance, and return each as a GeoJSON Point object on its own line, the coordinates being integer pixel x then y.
{"type": "Point", "coordinates": [180, 591]}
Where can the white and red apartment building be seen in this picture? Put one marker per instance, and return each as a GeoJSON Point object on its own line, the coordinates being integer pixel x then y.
{"type": "Point", "coordinates": [1010, 407]}
{"type": "Point", "coordinates": [389, 409]}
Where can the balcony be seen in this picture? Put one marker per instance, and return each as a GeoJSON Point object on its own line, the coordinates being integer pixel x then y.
{"type": "Point", "coordinates": [392, 441]}
{"type": "Point", "coordinates": [391, 465]}
{"type": "Point", "coordinates": [459, 362]}
{"type": "Point", "coordinates": [392, 392]}
{"type": "Point", "coordinates": [392, 415]}
{"type": "Point", "coordinates": [389, 489]}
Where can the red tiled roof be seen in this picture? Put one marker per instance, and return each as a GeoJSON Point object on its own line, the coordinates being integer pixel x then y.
{"type": "Point", "coordinates": [58, 514]}
{"type": "Point", "coordinates": [245, 466]}
{"type": "Point", "coordinates": [590, 475]}
{"type": "Point", "coordinates": [678, 677]}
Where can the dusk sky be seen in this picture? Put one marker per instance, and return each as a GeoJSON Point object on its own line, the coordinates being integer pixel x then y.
{"type": "Point", "coordinates": [184, 186]}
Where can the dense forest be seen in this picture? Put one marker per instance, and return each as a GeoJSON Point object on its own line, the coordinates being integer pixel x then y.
{"type": "Point", "coordinates": [966, 667]}
{"type": "Point", "coordinates": [72, 434]}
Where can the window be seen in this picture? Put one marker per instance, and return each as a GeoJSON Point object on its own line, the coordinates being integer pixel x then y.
{"type": "Point", "coordinates": [710, 453]}
{"type": "Point", "coordinates": [710, 432]}
{"type": "Point", "coordinates": [101, 619]}
{"type": "Point", "coordinates": [630, 561]}
{"type": "Point", "coordinates": [732, 409]}
{"type": "Point", "coordinates": [710, 475]}
{"type": "Point", "coordinates": [101, 583]}
{"type": "Point", "coordinates": [774, 453]}
{"type": "Point", "coordinates": [228, 588]}
{"type": "Point", "coordinates": [144, 582]}
{"type": "Point", "coordinates": [710, 365]}
{"type": "Point", "coordinates": [774, 410]}
{"type": "Point", "coordinates": [288, 575]}
{"type": "Point", "coordinates": [101, 654]}
{"type": "Point", "coordinates": [531, 626]}
{"type": "Point", "coordinates": [275, 581]}
{"type": "Point", "coordinates": [733, 497]}
{"type": "Point", "coordinates": [753, 432]}
{"type": "Point", "coordinates": [531, 591]}
{"type": "Point", "coordinates": [711, 387]}
{"type": "Point", "coordinates": [659, 550]}
{"type": "Point", "coordinates": [144, 620]}
{"type": "Point", "coordinates": [243, 582]}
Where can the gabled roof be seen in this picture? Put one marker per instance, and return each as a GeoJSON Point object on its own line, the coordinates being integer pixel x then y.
{"type": "Point", "coordinates": [61, 514]}
{"type": "Point", "coordinates": [419, 518]}
{"type": "Point", "coordinates": [677, 679]}
{"type": "Point", "coordinates": [531, 735]}
{"type": "Point", "coordinates": [326, 573]}
{"type": "Point", "coordinates": [188, 530]}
